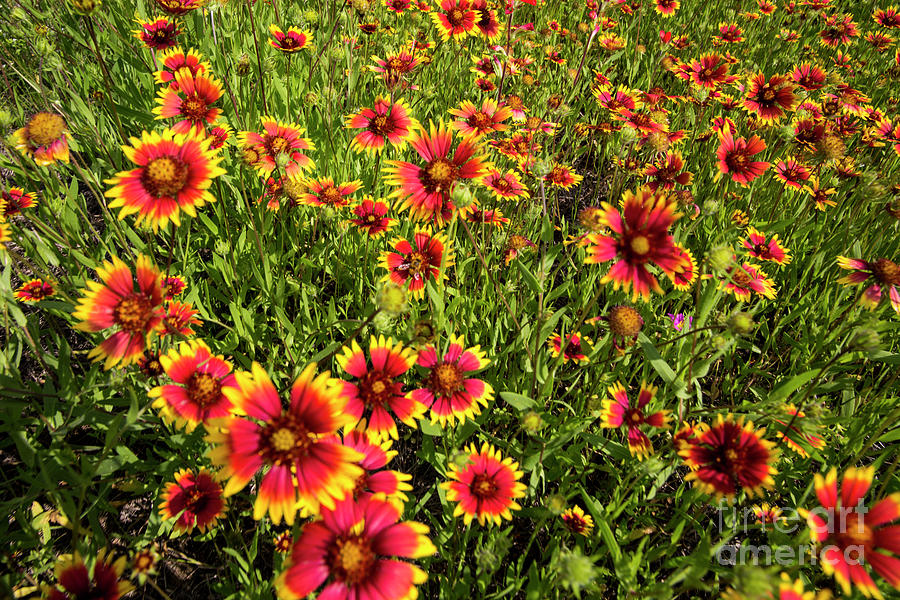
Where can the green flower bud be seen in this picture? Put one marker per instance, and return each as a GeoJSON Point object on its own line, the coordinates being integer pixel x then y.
{"type": "Point", "coordinates": [721, 258]}
{"type": "Point", "coordinates": [576, 571]}
{"type": "Point", "coordinates": [865, 339]}
{"type": "Point", "coordinates": [556, 503]}
{"type": "Point", "coordinates": [740, 323]}
{"type": "Point", "coordinates": [532, 422]}
{"type": "Point", "coordinates": [392, 299]}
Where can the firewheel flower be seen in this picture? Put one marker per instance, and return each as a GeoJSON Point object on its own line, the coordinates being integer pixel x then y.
{"type": "Point", "coordinates": [766, 249]}
{"type": "Point", "coordinates": [14, 200]}
{"type": "Point", "coordinates": [44, 139]}
{"type": "Point", "coordinates": [174, 59]}
{"type": "Point", "coordinates": [190, 102]}
{"type": "Point", "coordinates": [376, 455]}
{"type": "Point", "coordinates": [370, 216]}
{"type": "Point", "coordinates": [448, 388]}
{"type": "Point", "coordinates": [770, 99]}
{"type": "Point", "coordinates": [505, 185]}
{"type": "Point", "coordinates": [292, 41]}
{"type": "Point", "coordinates": [376, 391]}
{"type": "Point", "coordinates": [173, 175]}
{"type": "Point", "coordinates": [305, 464]}
{"type": "Point", "coordinates": [324, 192]}
{"type": "Point", "coordinates": [425, 190]}
{"type": "Point", "coordinates": [574, 350]}
{"type": "Point", "coordinates": [640, 235]}
{"type": "Point", "coordinates": [795, 428]}
{"type": "Point", "coordinates": [382, 124]}
{"type": "Point", "coordinates": [74, 580]}
{"type": "Point", "coordinates": [354, 550]}
{"type": "Point", "coordinates": [115, 303]}
{"type": "Point", "coordinates": [746, 279]}
{"type": "Point", "coordinates": [35, 290]}
{"type": "Point", "coordinates": [455, 19]}
{"type": "Point", "coordinates": [619, 412]}
{"type": "Point", "coordinates": [276, 139]}
{"type": "Point", "coordinates": [486, 487]}
{"type": "Point", "coordinates": [852, 534]}
{"type": "Point", "coordinates": [158, 34]}
{"type": "Point", "coordinates": [195, 499]}
{"type": "Point", "coordinates": [884, 275]}
{"type": "Point", "coordinates": [472, 120]}
{"type": "Point", "coordinates": [735, 157]}
{"type": "Point", "coordinates": [428, 257]}
{"type": "Point", "coordinates": [577, 521]}
{"type": "Point", "coordinates": [729, 456]}
{"type": "Point", "coordinates": [197, 393]}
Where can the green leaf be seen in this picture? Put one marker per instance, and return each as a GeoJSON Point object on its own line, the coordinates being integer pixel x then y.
{"type": "Point", "coordinates": [790, 386]}
{"type": "Point", "coordinates": [518, 401]}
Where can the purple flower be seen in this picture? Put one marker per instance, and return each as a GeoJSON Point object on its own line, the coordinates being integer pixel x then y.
{"type": "Point", "coordinates": [678, 321]}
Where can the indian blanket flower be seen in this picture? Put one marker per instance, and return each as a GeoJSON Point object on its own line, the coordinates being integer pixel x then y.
{"type": "Point", "coordinates": [769, 100]}
{"type": "Point", "coordinates": [13, 200]}
{"type": "Point", "coordinates": [475, 121]}
{"type": "Point", "coordinates": [791, 172]}
{"type": "Point", "coordinates": [35, 290]}
{"type": "Point", "coordinates": [618, 412]}
{"type": "Point", "coordinates": [577, 521]}
{"type": "Point", "coordinates": [667, 172]}
{"type": "Point", "coordinates": [219, 136]}
{"type": "Point", "coordinates": [809, 77]}
{"type": "Point", "coordinates": [292, 41]}
{"type": "Point", "coordinates": [197, 393]}
{"type": "Point", "coordinates": [729, 456]}
{"type": "Point", "coordinates": [486, 487]}
{"type": "Point", "coordinates": [819, 194]}
{"type": "Point", "coordinates": [394, 67]}
{"type": "Point", "coordinates": [735, 156]}
{"type": "Point", "coordinates": [573, 350]}
{"type": "Point", "coordinates": [425, 190]}
{"type": "Point", "coordinates": [191, 101]}
{"type": "Point", "coordinates": [839, 29]}
{"type": "Point", "coordinates": [795, 429]}
{"type": "Point", "coordinates": [667, 8]}
{"type": "Point", "coordinates": [75, 581]}
{"type": "Point", "coordinates": [515, 245]}
{"type": "Point", "coordinates": [158, 34]}
{"type": "Point", "coordinates": [746, 279]}
{"type": "Point", "coordinates": [639, 236]}
{"type": "Point", "coordinates": [854, 535]}
{"type": "Point", "coordinates": [276, 139]}
{"type": "Point", "coordinates": [427, 257]}
{"type": "Point", "coordinates": [179, 7]}
{"type": "Point", "coordinates": [173, 175]}
{"type": "Point", "coordinates": [130, 304]}
{"type": "Point", "coordinates": [376, 390]}
{"type": "Point", "coordinates": [710, 72]}
{"type": "Point", "coordinates": [324, 192]}
{"type": "Point", "coordinates": [881, 275]}
{"type": "Point", "coordinates": [179, 318]}
{"type": "Point", "coordinates": [486, 20]}
{"type": "Point", "coordinates": [562, 176]}
{"type": "Point", "coordinates": [763, 248]}
{"type": "Point", "coordinates": [195, 499]}
{"type": "Point", "coordinates": [44, 138]}
{"type": "Point", "coordinates": [174, 285]}
{"type": "Point", "coordinates": [305, 465]}
{"type": "Point", "coordinates": [448, 389]}
{"type": "Point", "coordinates": [376, 455]}
{"type": "Point", "coordinates": [504, 185]}
{"type": "Point", "coordinates": [767, 515]}
{"type": "Point", "coordinates": [455, 19]}
{"type": "Point", "coordinates": [370, 216]}
{"type": "Point", "coordinates": [354, 550]}
{"type": "Point", "coordinates": [887, 17]}
{"type": "Point", "coordinates": [175, 59]}
{"type": "Point", "coordinates": [384, 123]}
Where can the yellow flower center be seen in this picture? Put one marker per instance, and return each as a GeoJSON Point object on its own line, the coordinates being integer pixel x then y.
{"type": "Point", "coordinates": [203, 389]}
{"type": "Point", "coordinates": [165, 176]}
{"type": "Point", "coordinates": [45, 128]}
{"type": "Point", "coordinates": [483, 486]}
{"type": "Point", "coordinates": [378, 387]}
{"type": "Point", "coordinates": [278, 144]}
{"type": "Point", "coordinates": [194, 108]}
{"type": "Point", "coordinates": [446, 379]}
{"type": "Point", "coordinates": [440, 174]}
{"type": "Point", "coordinates": [351, 560]}
{"type": "Point", "coordinates": [282, 439]}
{"type": "Point", "coordinates": [640, 245]}
{"type": "Point", "coordinates": [625, 321]}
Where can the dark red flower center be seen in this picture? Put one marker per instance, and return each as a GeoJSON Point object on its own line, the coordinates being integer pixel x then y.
{"type": "Point", "coordinates": [479, 120]}
{"type": "Point", "coordinates": [351, 559]}
{"type": "Point", "coordinates": [456, 17]}
{"type": "Point", "coordinates": [483, 486]}
{"type": "Point", "coordinates": [853, 532]}
{"type": "Point", "coordinates": [194, 108]}
{"type": "Point", "coordinates": [285, 439]}
{"type": "Point", "coordinates": [165, 176]}
{"type": "Point", "coordinates": [330, 195]}
{"type": "Point", "coordinates": [439, 175]}
{"type": "Point", "coordinates": [132, 312]}
{"type": "Point", "coordinates": [737, 161]}
{"type": "Point", "coordinates": [277, 145]}
{"type": "Point", "coordinates": [741, 278]}
{"type": "Point", "coordinates": [203, 389]}
{"type": "Point", "coordinates": [417, 264]}
{"type": "Point", "coordinates": [446, 378]}
{"type": "Point", "coordinates": [376, 388]}
{"type": "Point", "coordinates": [379, 125]}
{"type": "Point", "coordinates": [886, 271]}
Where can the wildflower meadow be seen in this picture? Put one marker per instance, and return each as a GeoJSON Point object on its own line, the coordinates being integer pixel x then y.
{"type": "Point", "coordinates": [449, 299]}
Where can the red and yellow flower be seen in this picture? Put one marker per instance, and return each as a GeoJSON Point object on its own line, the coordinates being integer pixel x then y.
{"type": "Point", "coordinates": [455, 19]}
{"type": "Point", "coordinates": [428, 257]}
{"type": "Point", "coordinates": [75, 581]}
{"type": "Point", "coordinates": [305, 464]}
{"type": "Point", "coordinates": [278, 138]}
{"type": "Point", "coordinates": [746, 279]}
{"type": "Point", "coordinates": [44, 139]}
{"type": "Point", "coordinates": [729, 456]}
{"type": "Point", "coordinates": [425, 190]}
{"type": "Point", "coordinates": [853, 535]}
{"type": "Point", "coordinates": [35, 290]}
{"type": "Point", "coordinates": [293, 41]}
{"type": "Point", "coordinates": [486, 487]}
{"type": "Point", "coordinates": [370, 216]}
{"type": "Point", "coordinates": [115, 303]}
{"type": "Point", "coordinates": [640, 236]}
{"type": "Point", "coordinates": [384, 123]}
{"type": "Point", "coordinates": [190, 100]}
{"type": "Point", "coordinates": [574, 350]}
{"type": "Point", "coordinates": [770, 249]}
{"type": "Point", "coordinates": [324, 192]}
{"type": "Point", "coordinates": [13, 200]}
{"type": "Point", "coordinates": [195, 498]}
{"type": "Point", "coordinates": [884, 275]}
{"type": "Point", "coordinates": [376, 455]}
{"type": "Point", "coordinates": [158, 34]}
{"type": "Point", "coordinates": [198, 392]}
{"type": "Point", "coordinates": [448, 390]}
{"type": "Point", "coordinates": [376, 391]}
{"type": "Point", "coordinates": [504, 185]}
{"type": "Point", "coordinates": [475, 121]}
{"type": "Point", "coordinates": [175, 59]}
{"type": "Point", "coordinates": [735, 156]}
{"type": "Point", "coordinates": [179, 318]}
{"type": "Point", "coordinates": [770, 99]}
{"type": "Point", "coordinates": [619, 412]}
{"type": "Point", "coordinates": [353, 550]}
{"type": "Point", "coordinates": [794, 430]}
{"type": "Point", "coordinates": [577, 521]}
{"type": "Point", "coordinates": [173, 175]}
